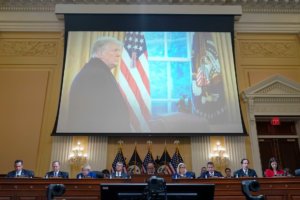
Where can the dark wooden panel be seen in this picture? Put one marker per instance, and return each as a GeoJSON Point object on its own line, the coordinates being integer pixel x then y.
{"type": "Point", "coordinates": [35, 189]}
{"type": "Point", "coordinates": [5, 198]}
{"type": "Point", "coordinates": [285, 128]}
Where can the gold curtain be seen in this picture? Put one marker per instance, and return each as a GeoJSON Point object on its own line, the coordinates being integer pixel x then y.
{"type": "Point", "coordinates": [225, 52]}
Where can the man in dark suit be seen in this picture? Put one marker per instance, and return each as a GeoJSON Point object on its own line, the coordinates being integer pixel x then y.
{"type": "Point", "coordinates": [19, 171]}
{"type": "Point", "coordinates": [245, 171]}
{"type": "Point", "coordinates": [56, 173]}
{"type": "Point", "coordinates": [119, 171]}
{"type": "Point", "coordinates": [96, 103]}
{"type": "Point", "coordinates": [211, 172]}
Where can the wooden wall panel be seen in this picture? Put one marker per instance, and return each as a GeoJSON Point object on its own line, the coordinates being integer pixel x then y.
{"type": "Point", "coordinates": [21, 104]}
{"type": "Point", "coordinates": [261, 55]}
{"type": "Point", "coordinates": [30, 78]}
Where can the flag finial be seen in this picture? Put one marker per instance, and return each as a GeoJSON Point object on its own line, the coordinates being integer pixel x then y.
{"type": "Point", "coordinates": [120, 142]}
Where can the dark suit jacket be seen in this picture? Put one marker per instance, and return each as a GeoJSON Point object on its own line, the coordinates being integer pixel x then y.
{"type": "Point", "coordinates": [123, 175]}
{"type": "Point", "coordinates": [60, 174]}
{"type": "Point", "coordinates": [96, 103]}
{"type": "Point", "coordinates": [240, 173]}
{"type": "Point", "coordinates": [207, 175]}
{"type": "Point", "coordinates": [24, 173]}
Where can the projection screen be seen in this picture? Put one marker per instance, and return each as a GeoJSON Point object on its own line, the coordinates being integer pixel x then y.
{"type": "Point", "coordinates": [148, 82]}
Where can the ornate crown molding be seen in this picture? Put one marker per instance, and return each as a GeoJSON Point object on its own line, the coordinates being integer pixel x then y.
{"type": "Point", "coordinates": [28, 48]}
{"type": "Point", "coordinates": [248, 6]}
{"type": "Point", "coordinates": [275, 90]}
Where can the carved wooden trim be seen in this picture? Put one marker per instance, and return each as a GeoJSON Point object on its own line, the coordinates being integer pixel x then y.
{"type": "Point", "coordinates": [276, 95]}
{"type": "Point", "coordinates": [28, 48]}
{"type": "Point", "coordinates": [272, 49]}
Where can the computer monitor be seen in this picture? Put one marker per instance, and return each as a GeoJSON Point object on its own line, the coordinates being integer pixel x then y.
{"type": "Point", "coordinates": [136, 191]}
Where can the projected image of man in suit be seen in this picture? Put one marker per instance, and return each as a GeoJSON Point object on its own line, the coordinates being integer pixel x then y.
{"type": "Point", "coordinates": [96, 103]}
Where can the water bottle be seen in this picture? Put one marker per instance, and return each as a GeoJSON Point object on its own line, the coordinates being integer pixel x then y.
{"type": "Point", "coordinates": [110, 176]}
{"type": "Point", "coordinates": [79, 177]}
{"type": "Point", "coordinates": [205, 176]}
{"type": "Point", "coordinates": [236, 176]}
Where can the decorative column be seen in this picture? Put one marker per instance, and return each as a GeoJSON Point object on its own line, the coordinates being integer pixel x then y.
{"type": "Point", "coordinates": [253, 138]}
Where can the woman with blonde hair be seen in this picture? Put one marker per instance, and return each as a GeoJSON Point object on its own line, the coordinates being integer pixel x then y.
{"type": "Point", "coordinates": [86, 172]}
{"type": "Point", "coordinates": [182, 172]}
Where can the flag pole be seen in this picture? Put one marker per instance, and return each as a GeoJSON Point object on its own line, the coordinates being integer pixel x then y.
{"type": "Point", "coordinates": [135, 152]}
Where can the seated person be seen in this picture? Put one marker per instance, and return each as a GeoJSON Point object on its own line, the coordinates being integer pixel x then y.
{"type": "Point", "coordinates": [151, 169]}
{"type": "Point", "coordinates": [203, 169]}
{"type": "Point", "coordinates": [106, 173]}
{"type": "Point", "coordinates": [297, 172]}
{"type": "Point", "coordinates": [119, 171]}
{"type": "Point", "coordinates": [211, 172]}
{"type": "Point", "coordinates": [181, 172]}
{"type": "Point", "coordinates": [228, 173]}
{"type": "Point", "coordinates": [245, 171]}
{"type": "Point", "coordinates": [287, 172]}
{"type": "Point", "coordinates": [56, 173]}
{"type": "Point", "coordinates": [86, 172]}
{"type": "Point", "coordinates": [273, 169]}
{"type": "Point", "coordinates": [19, 171]}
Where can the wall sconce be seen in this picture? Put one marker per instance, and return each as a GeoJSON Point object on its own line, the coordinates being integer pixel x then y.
{"type": "Point", "coordinates": [219, 151]}
{"type": "Point", "coordinates": [219, 156]}
{"type": "Point", "coordinates": [77, 157]}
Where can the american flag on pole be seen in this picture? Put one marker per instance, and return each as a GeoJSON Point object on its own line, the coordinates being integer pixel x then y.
{"type": "Point", "coordinates": [135, 163]}
{"type": "Point", "coordinates": [134, 79]}
{"type": "Point", "coordinates": [165, 160]}
{"type": "Point", "coordinates": [176, 159]}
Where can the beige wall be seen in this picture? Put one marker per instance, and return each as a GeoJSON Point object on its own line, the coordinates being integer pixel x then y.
{"type": "Point", "coordinates": [30, 77]}
{"type": "Point", "coordinates": [30, 72]}
{"type": "Point", "coordinates": [259, 56]}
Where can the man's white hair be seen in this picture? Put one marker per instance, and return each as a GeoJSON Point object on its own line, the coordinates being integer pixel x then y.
{"type": "Point", "coordinates": [101, 42]}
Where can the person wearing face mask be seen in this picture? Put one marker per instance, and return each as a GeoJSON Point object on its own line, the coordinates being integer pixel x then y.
{"type": "Point", "coordinates": [245, 171]}
{"type": "Point", "coordinates": [96, 103]}
{"type": "Point", "coordinates": [273, 169]}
